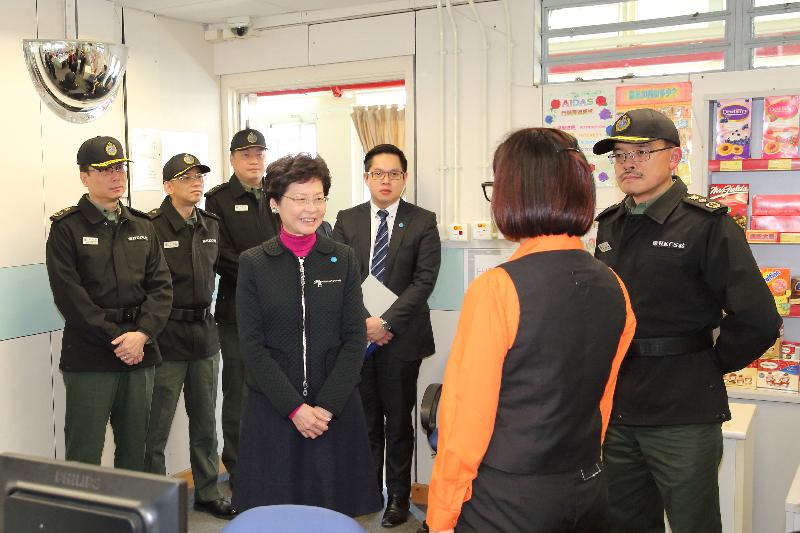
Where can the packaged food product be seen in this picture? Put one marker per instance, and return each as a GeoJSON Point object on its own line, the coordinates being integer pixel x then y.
{"type": "Point", "coordinates": [781, 127]}
{"type": "Point", "coordinates": [777, 374]}
{"type": "Point", "coordinates": [778, 280]}
{"type": "Point", "coordinates": [744, 378]}
{"type": "Point", "coordinates": [774, 351]}
{"type": "Point", "coordinates": [776, 204]}
{"type": "Point", "coordinates": [775, 223]}
{"type": "Point", "coordinates": [735, 196]}
{"type": "Point", "coordinates": [790, 350]}
{"type": "Point", "coordinates": [733, 120]}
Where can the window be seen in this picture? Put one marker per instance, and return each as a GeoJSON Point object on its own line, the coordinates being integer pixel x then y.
{"type": "Point", "coordinates": [594, 39]}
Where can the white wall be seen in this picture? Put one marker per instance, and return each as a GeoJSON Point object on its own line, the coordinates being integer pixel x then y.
{"type": "Point", "coordinates": [171, 85]}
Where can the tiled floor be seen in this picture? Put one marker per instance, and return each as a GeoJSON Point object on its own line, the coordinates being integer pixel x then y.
{"type": "Point", "coordinates": [205, 523]}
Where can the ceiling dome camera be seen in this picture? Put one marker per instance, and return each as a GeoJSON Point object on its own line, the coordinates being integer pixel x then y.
{"type": "Point", "coordinates": [239, 26]}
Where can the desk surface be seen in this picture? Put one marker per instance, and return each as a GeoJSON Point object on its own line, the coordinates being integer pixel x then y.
{"type": "Point", "coordinates": [739, 424]}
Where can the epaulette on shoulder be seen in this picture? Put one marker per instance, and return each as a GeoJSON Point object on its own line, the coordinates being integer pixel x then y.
{"type": "Point", "coordinates": [701, 202]}
{"type": "Point", "coordinates": [154, 213]}
{"type": "Point", "coordinates": [608, 210]}
{"type": "Point", "coordinates": [138, 213]}
{"type": "Point", "coordinates": [209, 214]}
{"type": "Point", "coordinates": [212, 191]}
{"type": "Point", "coordinates": [58, 215]}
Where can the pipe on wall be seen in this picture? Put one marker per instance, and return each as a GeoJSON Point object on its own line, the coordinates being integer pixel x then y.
{"type": "Point", "coordinates": [509, 63]}
{"type": "Point", "coordinates": [484, 165]}
{"type": "Point", "coordinates": [442, 162]}
{"type": "Point", "coordinates": [456, 52]}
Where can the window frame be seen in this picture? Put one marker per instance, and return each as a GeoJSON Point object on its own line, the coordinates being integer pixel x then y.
{"type": "Point", "coordinates": [738, 45]}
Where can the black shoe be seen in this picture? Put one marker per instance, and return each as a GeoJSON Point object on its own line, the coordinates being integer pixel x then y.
{"type": "Point", "coordinates": [220, 508]}
{"type": "Point", "coordinates": [396, 511]}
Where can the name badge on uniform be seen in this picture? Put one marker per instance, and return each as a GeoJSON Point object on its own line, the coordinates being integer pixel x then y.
{"type": "Point", "coordinates": [240, 207]}
{"type": "Point", "coordinates": [604, 247]}
{"type": "Point", "coordinates": [137, 238]}
{"type": "Point", "coordinates": [207, 241]}
{"type": "Point", "coordinates": [171, 244]}
{"type": "Point", "coordinates": [91, 240]}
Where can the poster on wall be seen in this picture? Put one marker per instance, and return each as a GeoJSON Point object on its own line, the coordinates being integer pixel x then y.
{"type": "Point", "coordinates": [146, 156]}
{"type": "Point", "coordinates": [672, 99]}
{"type": "Point", "coordinates": [587, 115]}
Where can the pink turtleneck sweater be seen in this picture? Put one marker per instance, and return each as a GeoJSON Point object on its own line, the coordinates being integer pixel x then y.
{"type": "Point", "coordinates": [300, 245]}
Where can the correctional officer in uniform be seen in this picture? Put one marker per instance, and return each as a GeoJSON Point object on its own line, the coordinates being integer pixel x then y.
{"type": "Point", "coordinates": [189, 237]}
{"type": "Point", "coordinates": [112, 285]}
{"type": "Point", "coordinates": [689, 271]}
{"type": "Point", "coordinates": [245, 221]}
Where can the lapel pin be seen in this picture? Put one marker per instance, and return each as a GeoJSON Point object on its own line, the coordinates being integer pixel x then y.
{"type": "Point", "coordinates": [401, 225]}
{"type": "Point", "coordinates": [334, 259]}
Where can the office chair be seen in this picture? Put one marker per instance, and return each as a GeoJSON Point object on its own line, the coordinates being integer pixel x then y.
{"type": "Point", "coordinates": [427, 417]}
{"type": "Point", "coordinates": [292, 519]}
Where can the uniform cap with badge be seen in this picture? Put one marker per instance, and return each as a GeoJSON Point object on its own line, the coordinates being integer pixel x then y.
{"type": "Point", "coordinates": [247, 139]}
{"type": "Point", "coordinates": [639, 126]}
{"type": "Point", "coordinates": [100, 152]}
{"type": "Point", "coordinates": [179, 164]}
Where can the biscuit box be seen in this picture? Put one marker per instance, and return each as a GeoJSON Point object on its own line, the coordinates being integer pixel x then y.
{"type": "Point", "coordinates": [733, 195]}
{"type": "Point", "coordinates": [779, 282]}
{"type": "Point", "coordinates": [790, 351]}
{"type": "Point", "coordinates": [774, 351]}
{"type": "Point", "coordinates": [744, 378]}
{"type": "Point", "coordinates": [777, 374]}
{"type": "Point", "coordinates": [733, 119]}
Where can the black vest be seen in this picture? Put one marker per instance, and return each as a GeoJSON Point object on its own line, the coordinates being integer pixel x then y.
{"type": "Point", "coordinates": [572, 314]}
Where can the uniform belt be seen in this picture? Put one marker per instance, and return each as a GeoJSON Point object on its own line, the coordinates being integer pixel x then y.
{"type": "Point", "coordinates": [189, 315]}
{"type": "Point", "coordinates": [663, 346]}
{"type": "Point", "coordinates": [122, 315]}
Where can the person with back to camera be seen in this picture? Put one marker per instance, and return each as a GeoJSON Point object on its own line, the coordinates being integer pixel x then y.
{"type": "Point", "coordinates": [685, 262]}
{"type": "Point", "coordinates": [532, 370]}
{"type": "Point", "coordinates": [304, 438]}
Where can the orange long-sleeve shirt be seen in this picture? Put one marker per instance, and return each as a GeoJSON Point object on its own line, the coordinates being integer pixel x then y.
{"type": "Point", "coordinates": [486, 331]}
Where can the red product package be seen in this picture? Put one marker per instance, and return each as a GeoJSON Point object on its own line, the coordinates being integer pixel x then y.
{"type": "Point", "coordinates": [776, 204]}
{"type": "Point", "coordinates": [775, 223]}
{"type": "Point", "coordinates": [733, 195]}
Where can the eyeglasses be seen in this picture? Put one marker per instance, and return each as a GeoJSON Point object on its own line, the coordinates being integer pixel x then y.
{"type": "Point", "coordinates": [122, 167]}
{"type": "Point", "coordinates": [637, 156]}
{"type": "Point", "coordinates": [487, 190]}
{"type": "Point", "coordinates": [316, 201]}
{"type": "Point", "coordinates": [191, 177]}
{"type": "Point", "coordinates": [393, 175]}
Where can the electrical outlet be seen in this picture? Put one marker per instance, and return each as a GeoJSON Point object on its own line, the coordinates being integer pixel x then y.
{"type": "Point", "coordinates": [457, 232]}
{"type": "Point", "coordinates": [482, 230]}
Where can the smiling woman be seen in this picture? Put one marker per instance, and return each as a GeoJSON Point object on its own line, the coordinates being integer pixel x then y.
{"type": "Point", "coordinates": [303, 437]}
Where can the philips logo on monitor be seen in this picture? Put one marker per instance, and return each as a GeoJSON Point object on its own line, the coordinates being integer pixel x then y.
{"type": "Point", "coordinates": [77, 480]}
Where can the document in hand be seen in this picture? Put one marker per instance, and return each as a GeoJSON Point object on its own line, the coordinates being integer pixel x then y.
{"type": "Point", "coordinates": [377, 296]}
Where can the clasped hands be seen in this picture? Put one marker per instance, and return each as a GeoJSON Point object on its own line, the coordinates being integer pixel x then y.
{"type": "Point", "coordinates": [311, 422]}
{"type": "Point", "coordinates": [130, 347]}
{"type": "Point", "coordinates": [376, 333]}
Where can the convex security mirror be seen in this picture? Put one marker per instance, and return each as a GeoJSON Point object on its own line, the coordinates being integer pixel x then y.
{"type": "Point", "coordinates": [78, 80]}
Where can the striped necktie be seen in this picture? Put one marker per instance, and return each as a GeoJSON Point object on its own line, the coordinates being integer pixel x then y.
{"type": "Point", "coordinates": [381, 248]}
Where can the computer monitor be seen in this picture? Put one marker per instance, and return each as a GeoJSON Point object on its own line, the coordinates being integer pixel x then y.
{"type": "Point", "coordinates": [44, 495]}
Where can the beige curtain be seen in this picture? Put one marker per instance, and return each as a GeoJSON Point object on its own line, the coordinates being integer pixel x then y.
{"type": "Point", "coordinates": [379, 125]}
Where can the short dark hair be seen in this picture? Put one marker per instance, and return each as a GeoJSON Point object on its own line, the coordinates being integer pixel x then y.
{"type": "Point", "coordinates": [85, 168]}
{"type": "Point", "coordinates": [385, 149]}
{"type": "Point", "coordinates": [298, 168]}
{"type": "Point", "coordinates": [543, 185]}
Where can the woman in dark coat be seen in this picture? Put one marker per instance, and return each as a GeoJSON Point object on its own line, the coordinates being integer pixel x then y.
{"type": "Point", "coordinates": [303, 436]}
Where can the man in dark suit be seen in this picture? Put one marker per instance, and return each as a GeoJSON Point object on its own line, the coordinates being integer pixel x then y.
{"type": "Point", "coordinates": [398, 243]}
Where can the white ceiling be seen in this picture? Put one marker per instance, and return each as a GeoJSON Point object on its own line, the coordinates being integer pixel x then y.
{"type": "Point", "coordinates": [218, 11]}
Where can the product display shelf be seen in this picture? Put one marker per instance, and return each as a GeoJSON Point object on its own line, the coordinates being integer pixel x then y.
{"type": "Point", "coordinates": [774, 180]}
{"type": "Point", "coordinates": [767, 395]}
{"type": "Point", "coordinates": [751, 165]}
